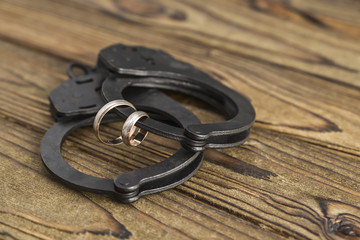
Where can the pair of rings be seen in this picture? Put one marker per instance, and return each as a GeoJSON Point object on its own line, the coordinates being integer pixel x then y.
{"type": "Point", "coordinates": [130, 134]}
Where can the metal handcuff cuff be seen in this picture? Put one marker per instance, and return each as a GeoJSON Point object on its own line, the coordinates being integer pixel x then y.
{"type": "Point", "coordinates": [135, 74]}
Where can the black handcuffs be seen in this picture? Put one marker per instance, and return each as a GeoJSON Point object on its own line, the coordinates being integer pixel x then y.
{"type": "Point", "coordinates": [135, 74]}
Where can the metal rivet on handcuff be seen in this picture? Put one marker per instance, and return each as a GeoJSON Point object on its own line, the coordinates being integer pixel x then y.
{"type": "Point", "coordinates": [124, 72]}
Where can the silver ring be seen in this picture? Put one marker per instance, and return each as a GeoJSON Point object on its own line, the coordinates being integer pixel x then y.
{"type": "Point", "coordinates": [100, 115]}
{"type": "Point", "coordinates": [132, 135]}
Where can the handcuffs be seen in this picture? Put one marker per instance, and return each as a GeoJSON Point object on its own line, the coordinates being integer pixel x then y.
{"type": "Point", "coordinates": [134, 75]}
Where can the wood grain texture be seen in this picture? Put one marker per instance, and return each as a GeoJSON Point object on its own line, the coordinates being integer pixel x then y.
{"type": "Point", "coordinates": [298, 175]}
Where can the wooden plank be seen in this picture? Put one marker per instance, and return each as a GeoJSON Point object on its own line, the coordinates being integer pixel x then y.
{"type": "Point", "coordinates": [308, 48]}
{"type": "Point", "coordinates": [271, 87]}
{"type": "Point", "coordinates": [296, 177]}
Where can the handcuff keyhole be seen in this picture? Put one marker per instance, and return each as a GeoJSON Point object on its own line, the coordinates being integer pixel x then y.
{"type": "Point", "coordinates": [86, 80]}
{"type": "Point", "coordinates": [88, 106]}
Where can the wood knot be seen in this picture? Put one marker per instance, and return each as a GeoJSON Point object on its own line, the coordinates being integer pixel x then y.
{"type": "Point", "coordinates": [178, 15]}
{"type": "Point", "coordinates": [145, 8]}
{"type": "Point", "coordinates": [342, 219]}
{"type": "Point", "coordinates": [150, 9]}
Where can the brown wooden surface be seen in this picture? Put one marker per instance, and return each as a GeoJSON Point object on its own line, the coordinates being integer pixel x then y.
{"type": "Point", "coordinates": [298, 175]}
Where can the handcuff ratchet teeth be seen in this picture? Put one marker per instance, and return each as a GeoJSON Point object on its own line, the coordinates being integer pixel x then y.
{"type": "Point", "coordinates": [136, 74]}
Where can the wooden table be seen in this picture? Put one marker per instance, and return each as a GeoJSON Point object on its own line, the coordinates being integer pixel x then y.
{"type": "Point", "coordinates": [298, 175]}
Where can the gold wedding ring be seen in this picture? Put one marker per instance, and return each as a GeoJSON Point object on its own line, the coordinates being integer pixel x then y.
{"type": "Point", "coordinates": [130, 134]}
{"type": "Point", "coordinates": [101, 114]}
